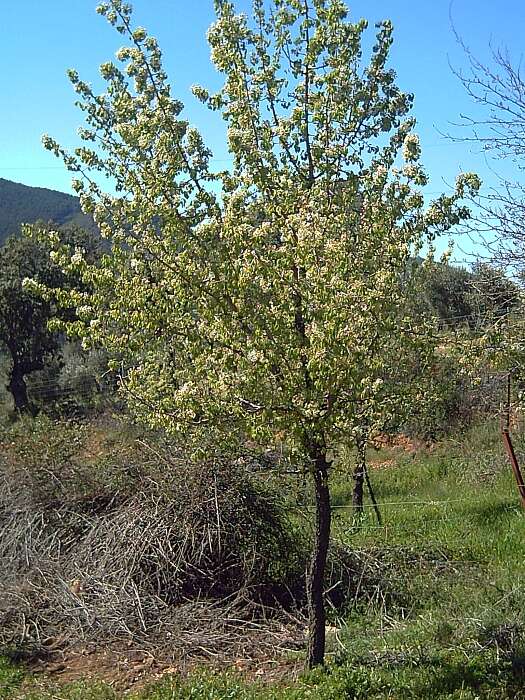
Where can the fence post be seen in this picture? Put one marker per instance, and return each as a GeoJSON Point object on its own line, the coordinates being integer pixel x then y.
{"type": "Point", "coordinates": [514, 464]}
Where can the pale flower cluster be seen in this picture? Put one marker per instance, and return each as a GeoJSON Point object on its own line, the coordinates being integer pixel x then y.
{"type": "Point", "coordinates": [30, 285]}
{"type": "Point", "coordinates": [380, 173]}
{"type": "Point", "coordinates": [77, 258]}
{"type": "Point", "coordinates": [411, 148]}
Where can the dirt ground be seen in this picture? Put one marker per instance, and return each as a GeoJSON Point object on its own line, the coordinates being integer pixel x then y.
{"type": "Point", "coordinates": [130, 670]}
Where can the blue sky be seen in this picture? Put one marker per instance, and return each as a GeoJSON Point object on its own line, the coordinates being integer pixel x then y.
{"type": "Point", "coordinates": [39, 40]}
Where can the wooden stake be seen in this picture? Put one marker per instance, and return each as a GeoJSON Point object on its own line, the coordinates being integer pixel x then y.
{"type": "Point", "coordinates": [514, 464]}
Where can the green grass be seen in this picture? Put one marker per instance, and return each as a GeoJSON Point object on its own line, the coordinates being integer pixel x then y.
{"type": "Point", "coordinates": [10, 678]}
{"type": "Point", "coordinates": [441, 614]}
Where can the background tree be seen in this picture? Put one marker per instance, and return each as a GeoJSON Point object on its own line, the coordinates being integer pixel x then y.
{"type": "Point", "coordinates": [23, 317]}
{"type": "Point", "coordinates": [447, 294]}
{"type": "Point", "coordinates": [401, 389]}
{"type": "Point", "coordinates": [249, 302]}
{"type": "Point", "coordinates": [493, 295]}
{"type": "Point", "coordinates": [460, 298]}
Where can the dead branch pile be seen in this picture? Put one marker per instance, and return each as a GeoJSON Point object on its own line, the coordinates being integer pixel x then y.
{"type": "Point", "coordinates": [179, 554]}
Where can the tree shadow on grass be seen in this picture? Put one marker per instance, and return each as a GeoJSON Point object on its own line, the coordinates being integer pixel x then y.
{"type": "Point", "coordinates": [486, 679]}
{"type": "Point", "coordinates": [485, 513]}
{"type": "Point", "coordinates": [493, 672]}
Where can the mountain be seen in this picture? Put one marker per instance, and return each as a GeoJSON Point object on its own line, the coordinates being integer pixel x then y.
{"type": "Point", "coordinates": [23, 204]}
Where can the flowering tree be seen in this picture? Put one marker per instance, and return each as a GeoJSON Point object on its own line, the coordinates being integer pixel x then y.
{"type": "Point", "coordinates": [252, 302]}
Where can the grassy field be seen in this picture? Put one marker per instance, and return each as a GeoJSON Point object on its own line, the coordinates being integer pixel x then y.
{"type": "Point", "coordinates": [445, 591]}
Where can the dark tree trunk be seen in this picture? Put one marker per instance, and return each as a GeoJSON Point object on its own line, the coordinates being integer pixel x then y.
{"type": "Point", "coordinates": [316, 572]}
{"type": "Point", "coordinates": [359, 478]}
{"type": "Point", "coordinates": [18, 389]}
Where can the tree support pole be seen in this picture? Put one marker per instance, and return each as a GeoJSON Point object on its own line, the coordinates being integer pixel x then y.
{"type": "Point", "coordinates": [505, 431]}
{"type": "Point", "coordinates": [514, 464]}
{"type": "Point", "coordinates": [359, 478]}
{"type": "Point", "coordinates": [372, 496]}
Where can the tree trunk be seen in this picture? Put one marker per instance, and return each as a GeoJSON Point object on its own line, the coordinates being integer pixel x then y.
{"type": "Point", "coordinates": [316, 572]}
{"type": "Point", "coordinates": [359, 478]}
{"type": "Point", "coordinates": [18, 389]}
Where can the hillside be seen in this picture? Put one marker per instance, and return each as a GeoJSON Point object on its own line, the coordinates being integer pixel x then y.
{"type": "Point", "coordinates": [23, 204]}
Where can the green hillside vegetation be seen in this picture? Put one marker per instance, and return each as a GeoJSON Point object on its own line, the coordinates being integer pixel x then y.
{"type": "Point", "coordinates": [22, 204]}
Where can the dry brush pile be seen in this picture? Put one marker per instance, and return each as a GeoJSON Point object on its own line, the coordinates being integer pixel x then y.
{"type": "Point", "coordinates": [161, 550]}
